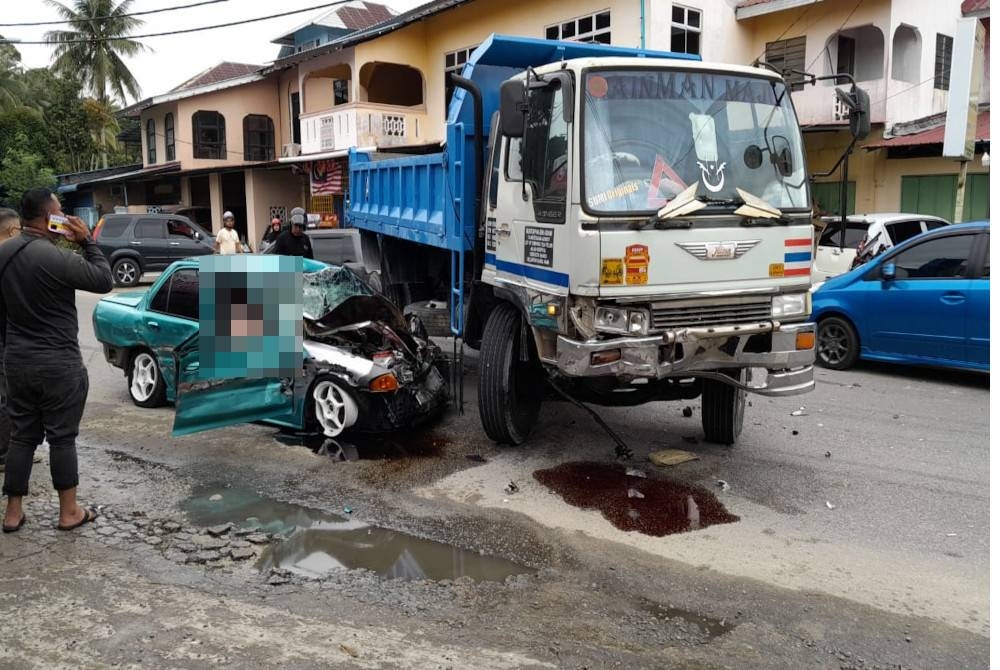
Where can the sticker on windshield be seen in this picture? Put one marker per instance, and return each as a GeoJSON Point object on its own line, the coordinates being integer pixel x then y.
{"type": "Point", "coordinates": [713, 176]}
{"type": "Point", "coordinates": [612, 271]}
{"type": "Point", "coordinates": [597, 86]}
{"type": "Point", "coordinates": [619, 191]}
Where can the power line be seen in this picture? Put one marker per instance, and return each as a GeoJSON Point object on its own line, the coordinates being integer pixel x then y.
{"type": "Point", "coordinates": [120, 16]}
{"type": "Point", "coordinates": [180, 32]}
{"type": "Point", "coordinates": [837, 31]}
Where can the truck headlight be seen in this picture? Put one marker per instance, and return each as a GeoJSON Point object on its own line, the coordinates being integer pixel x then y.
{"type": "Point", "coordinates": [790, 305]}
{"type": "Point", "coordinates": [622, 321]}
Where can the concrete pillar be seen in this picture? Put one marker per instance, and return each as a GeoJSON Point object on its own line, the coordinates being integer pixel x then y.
{"type": "Point", "coordinates": [215, 200]}
{"type": "Point", "coordinates": [186, 191]}
{"type": "Point", "coordinates": [254, 233]}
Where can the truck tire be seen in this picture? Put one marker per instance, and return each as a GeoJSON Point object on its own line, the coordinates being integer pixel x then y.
{"type": "Point", "coordinates": [435, 316]}
{"type": "Point", "coordinates": [722, 409]}
{"type": "Point", "coordinates": [510, 390]}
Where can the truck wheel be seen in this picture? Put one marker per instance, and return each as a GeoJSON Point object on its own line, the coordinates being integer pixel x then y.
{"type": "Point", "coordinates": [435, 316]}
{"type": "Point", "coordinates": [510, 389]}
{"type": "Point", "coordinates": [722, 408]}
{"type": "Point", "coordinates": [126, 272]}
{"type": "Point", "coordinates": [145, 382]}
{"type": "Point", "coordinates": [837, 345]}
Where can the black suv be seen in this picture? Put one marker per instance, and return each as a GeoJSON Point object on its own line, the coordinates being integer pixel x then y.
{"type": "Point", "coordinates": [139, 243]}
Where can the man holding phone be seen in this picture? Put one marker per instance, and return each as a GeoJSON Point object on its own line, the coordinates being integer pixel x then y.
{"type": "Point", "coordinates": [47, 381]}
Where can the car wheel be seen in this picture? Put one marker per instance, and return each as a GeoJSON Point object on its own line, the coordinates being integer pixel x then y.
{"type": "Point", "coordinates": [145, 381]}
{"type": "Point", "coordinates": [722, 409]}
{"type": "Point", "coordinates": [333, 408]}
{"type": "Point", "coordinates": [126, 272]}
{"type": "Point", "coordinates": [435, 316]}
{"type": "Point", "coordinates": [837, 343]}
{"type": "Point", "coordinates": [510, 381]}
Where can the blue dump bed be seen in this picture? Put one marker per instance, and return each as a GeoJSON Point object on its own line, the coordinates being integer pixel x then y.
{"type": "Point", "coordinates": [431, 199]}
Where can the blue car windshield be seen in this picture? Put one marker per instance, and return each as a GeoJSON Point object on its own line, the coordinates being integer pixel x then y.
{"type": "Point", "coordinates": [650, 133]}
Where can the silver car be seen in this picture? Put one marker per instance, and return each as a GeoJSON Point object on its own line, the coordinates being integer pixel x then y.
{"type": "Point", "coordinates": [870, 233]}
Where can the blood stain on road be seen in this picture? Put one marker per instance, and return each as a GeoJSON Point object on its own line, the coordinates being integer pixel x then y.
{"type": "Point", "coordinates": [654, 507]}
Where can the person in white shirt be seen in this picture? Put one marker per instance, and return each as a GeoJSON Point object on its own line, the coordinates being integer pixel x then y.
{"type": "Point", "coordinates": [227, 240]}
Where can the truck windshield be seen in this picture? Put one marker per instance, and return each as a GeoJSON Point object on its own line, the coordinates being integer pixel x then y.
{"type": "Point", "coordinates": [648, 134]}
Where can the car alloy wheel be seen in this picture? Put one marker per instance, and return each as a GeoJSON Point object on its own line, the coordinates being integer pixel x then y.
{"type": "Point", "coordinates": [145, 376]}
{"type": "Point", "coordinates": [334, 409]}
{"type": "Point", "coordinates": [837, 345]}
{"type": "Point", "coordinates": [126, 273]}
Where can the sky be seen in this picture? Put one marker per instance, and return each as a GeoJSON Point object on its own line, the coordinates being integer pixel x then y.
{"type": "Point", "coordinates": [172, 60]}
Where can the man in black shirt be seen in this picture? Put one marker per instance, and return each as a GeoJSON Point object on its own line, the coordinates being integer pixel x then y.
{"type": "Point", "coordinates": [47, 381]}
{"type": "Point", "coordinates": [295, 242]}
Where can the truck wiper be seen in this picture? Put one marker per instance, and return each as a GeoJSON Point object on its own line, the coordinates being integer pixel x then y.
{"type": "Point", "coordinates": [685, 202]}
{"type": "Point", "coordinates": [755, 211]}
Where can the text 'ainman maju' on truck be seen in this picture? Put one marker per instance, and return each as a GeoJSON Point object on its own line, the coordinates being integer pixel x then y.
{"type": "Point", "coordinates": [635, 226]}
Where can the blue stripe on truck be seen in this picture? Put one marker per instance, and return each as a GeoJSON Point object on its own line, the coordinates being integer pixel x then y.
{"type": "Point", "coordinates": [798, 257]}
{"type": "Point", "coordinates": [528, 271]}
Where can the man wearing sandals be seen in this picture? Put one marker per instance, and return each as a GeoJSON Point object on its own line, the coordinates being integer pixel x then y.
{"type": "Point", "coordinates": [47, 382]}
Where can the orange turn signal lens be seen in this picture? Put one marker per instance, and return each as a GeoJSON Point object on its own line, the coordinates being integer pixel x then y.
{"type": "Point", "coordinates": [805, 340]}
{"type": "Point", "coordinates": [386, 383]}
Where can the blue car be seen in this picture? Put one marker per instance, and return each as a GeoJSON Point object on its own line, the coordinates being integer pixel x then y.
{"type": "Point", "coordinates": [925, 302]}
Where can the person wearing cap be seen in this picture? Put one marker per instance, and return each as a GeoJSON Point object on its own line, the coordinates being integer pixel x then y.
{"type": "Point", "coordinates": [295, 242]}
{"type": "Point", "coordinates": [227, 240]}
{"type": "Point", "coordinates": [272, 232]}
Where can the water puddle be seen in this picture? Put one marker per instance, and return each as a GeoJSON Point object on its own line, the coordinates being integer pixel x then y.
{"type": "Point", "coordinates": [368, 447]}
{"type": "Point", "coordinates": [319, 543]}
{"type": "Point", "coordinates": [709, 627]}
{"type": "Point", "coordinates": [650, 506]}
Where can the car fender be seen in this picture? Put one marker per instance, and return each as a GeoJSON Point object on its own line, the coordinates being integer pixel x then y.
{"type": "Point", "coordinates": [119, 254]}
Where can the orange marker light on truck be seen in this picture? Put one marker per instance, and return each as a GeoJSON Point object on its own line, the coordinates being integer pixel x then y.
{"type": "Point", "coordinates": [384, 384]}
{"type": "Point", "coordinates": [805, 341]}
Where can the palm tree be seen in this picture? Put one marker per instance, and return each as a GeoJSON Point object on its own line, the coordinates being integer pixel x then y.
{"type": "Point", "coordinates": [11, 81]}
{"type": "Point", "coordinates": [93, 50]}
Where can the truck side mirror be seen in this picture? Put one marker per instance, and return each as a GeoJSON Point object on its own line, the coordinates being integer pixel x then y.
{"type": "Point", "coordinates": [513, 105]}
{"type": "Point", "coordinates": [859, 116]}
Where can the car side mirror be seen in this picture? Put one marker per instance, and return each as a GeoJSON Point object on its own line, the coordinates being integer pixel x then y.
{"type": "Point", "coordinates": [888, 271]}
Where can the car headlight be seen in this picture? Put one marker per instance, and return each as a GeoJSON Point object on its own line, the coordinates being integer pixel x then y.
{"type": "Point", "coordinates": [790, 305]}
{"type": "Point", "coordinates": [622, 321]}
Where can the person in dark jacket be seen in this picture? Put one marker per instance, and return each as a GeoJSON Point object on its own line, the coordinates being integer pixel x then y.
{"type": "Point", "coordinates": [295, 242]}
{"type": "Point", "coordinates": [47, 381]}
{"type": "Point", "coordinates": [272, 233]}
{"type": "Point", "coordinates": [10, 228]}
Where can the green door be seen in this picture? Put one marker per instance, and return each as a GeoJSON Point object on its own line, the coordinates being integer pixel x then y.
{"type": "Point", "coordinates": [826, 196]}
{"type": "Point", "coordinates": [935, 194]}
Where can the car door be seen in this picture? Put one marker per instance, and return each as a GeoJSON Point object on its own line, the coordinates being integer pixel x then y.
{"type": "Point", "coordinates": [978, 321]}
{"type": "Point", "coordinates": [921, 312]}
{"type": "Point", "coordinates": [171, 317]}
{"type": "Point", "coordinates": [150, 238]}
{"type": "Point", "coordinates": [204, 404]}
{"type": "Point", "coordinates": [182, 240]}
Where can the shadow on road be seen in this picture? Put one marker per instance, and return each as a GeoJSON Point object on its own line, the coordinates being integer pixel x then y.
{"type": "Point", "coordinates": [968, 378]}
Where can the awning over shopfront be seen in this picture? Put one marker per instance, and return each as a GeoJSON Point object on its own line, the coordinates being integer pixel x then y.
{"type": "Point", "coordinates": [930, 136]}
{"type": "Point", "coordinates": [74, 182]}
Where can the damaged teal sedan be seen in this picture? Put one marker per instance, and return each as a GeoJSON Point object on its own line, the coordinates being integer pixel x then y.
{"type": "Point", "coordinates": [366, 366]}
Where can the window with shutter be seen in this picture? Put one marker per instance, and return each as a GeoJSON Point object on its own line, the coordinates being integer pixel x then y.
{"type": "Point", "coordinates": [786, 56]}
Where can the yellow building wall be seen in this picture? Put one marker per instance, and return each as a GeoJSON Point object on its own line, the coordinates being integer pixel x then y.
{"type": "Point", "coordinates": [266, 189]}
{"type": "Point", "coordinates": [878, 179]}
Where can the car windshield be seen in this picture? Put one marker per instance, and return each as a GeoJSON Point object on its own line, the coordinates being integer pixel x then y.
{"type": "Point", "coordinates": [324, 291]}
{"type": "Point", "coordinates": [650, 133]}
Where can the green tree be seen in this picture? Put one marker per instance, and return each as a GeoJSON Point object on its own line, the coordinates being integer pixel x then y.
{"type": "Point", "coordinates": [11, 81]}
{"type": "Point", "coordinates": [21, 170]}
{"type": "Point", "coordinates": [94, 49]}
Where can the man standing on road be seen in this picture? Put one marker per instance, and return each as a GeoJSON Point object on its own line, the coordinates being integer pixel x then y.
{"type": "Point", "coordinates": [227, 240]}
{"type": "Point", "coordinates": [10, 227]}
{"type": "Point", "coordinates": [295, 242]}
{"type": "Point", "coordinates": [46, 378]}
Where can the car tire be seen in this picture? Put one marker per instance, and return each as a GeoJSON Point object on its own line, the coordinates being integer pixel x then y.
{"type": "Point", "coordinates": [435, 317]}
{"type": "Point", "coordinates": [510, 389]}
{"type": "Point", "coordinates": [723, 408]}
{"type": "Point", "coordinates": [837, 343]}
{"type": "Point", "coordinates": [331, 408]}
{"type": "Point", "coordinates": [144, 380]}
{"type": "Point", "coordinates": [127, 272]}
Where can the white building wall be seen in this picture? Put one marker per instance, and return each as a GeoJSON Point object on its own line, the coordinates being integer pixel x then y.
{"type": "Point", "coordinates": [722, 38]}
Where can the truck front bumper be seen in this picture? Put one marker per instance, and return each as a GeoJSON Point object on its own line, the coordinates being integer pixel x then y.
{"type": "Point", "coordinates": [787, 353]}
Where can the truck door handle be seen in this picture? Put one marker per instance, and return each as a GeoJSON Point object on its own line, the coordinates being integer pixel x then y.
{"type": "Point", "coordinates": [153, 324]}
{"type": "Point", "coordinates": [503, 230]}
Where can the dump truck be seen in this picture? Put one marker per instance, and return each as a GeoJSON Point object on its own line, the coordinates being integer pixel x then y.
{"type": "Point", "coordinates": [621, 225]}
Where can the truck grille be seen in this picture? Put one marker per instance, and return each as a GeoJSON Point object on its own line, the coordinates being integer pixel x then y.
{"type": "Point", "coordinates": [711, 312]}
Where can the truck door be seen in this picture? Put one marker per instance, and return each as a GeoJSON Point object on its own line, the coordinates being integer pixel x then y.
{"type": "Point", "coordinates": [526, 235]}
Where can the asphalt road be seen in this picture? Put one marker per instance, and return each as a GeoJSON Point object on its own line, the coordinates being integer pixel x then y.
{"type": "Point", "coordinates": [863, 519]}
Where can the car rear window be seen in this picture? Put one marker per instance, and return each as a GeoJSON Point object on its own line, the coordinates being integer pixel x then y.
{"type": "Point", "coordinates": [932, 225]}
{"type": "Point", "coordinates": [114, 227]}
{"type": "Point", "coordinates": [831, 234]}
{"type": "Point", "coordinates": [335, 250]}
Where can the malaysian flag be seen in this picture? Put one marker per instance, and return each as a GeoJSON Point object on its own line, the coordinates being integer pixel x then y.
{"type": "Point", "coordinates": [327, 177]}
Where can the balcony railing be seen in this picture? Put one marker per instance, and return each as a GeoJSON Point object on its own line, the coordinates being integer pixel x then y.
{"type": "Point", "coordinates": [818, 105]}
{"type": "Point", "coordinates": [362, 125]}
